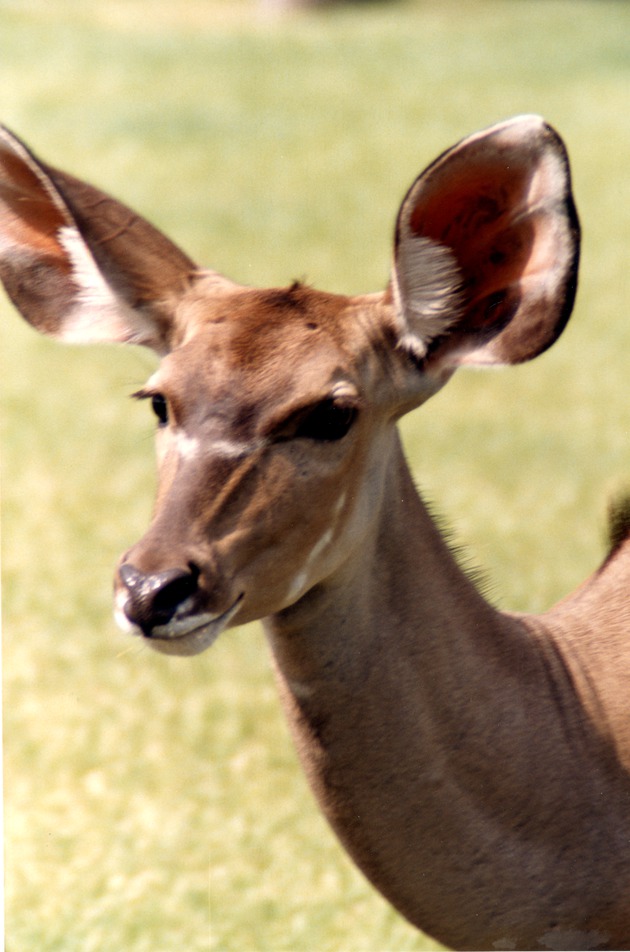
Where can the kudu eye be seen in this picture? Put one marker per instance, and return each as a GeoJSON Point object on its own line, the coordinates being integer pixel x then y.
{"type": "Point", "coordinates": [160, 408]}
{"type": "Point", "coordinates": [330, 420]}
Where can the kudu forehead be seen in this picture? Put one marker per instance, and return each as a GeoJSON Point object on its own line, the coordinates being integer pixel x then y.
{"type": "Point", "coordinates": [257, 346]}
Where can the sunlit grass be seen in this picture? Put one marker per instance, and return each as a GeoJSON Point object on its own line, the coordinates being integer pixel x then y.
{"type": "Point", "coordinates": [155, 804]}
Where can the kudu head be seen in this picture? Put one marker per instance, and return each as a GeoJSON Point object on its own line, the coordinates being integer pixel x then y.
{"type": "Point", "coordinates": [276, 409]}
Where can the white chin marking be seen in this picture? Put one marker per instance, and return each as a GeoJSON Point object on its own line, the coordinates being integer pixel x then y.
{"type": "Point", "coordinates": [120, 600]}
{"type": "Point", "coordinates": [192, 635]}
{"type": "Point", "coordinates": [181, 636]}
{"type": "Point", "coordinates": [186, 645]}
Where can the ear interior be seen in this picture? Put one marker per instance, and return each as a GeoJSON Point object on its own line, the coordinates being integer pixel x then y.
{"type": "Point", "coordinates": [32, 213]}
{"type": "Point", "coordinates": [500, 204]}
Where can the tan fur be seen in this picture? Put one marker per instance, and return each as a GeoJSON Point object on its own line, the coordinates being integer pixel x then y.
{"type": "Point", "coordinates": [474, 763]}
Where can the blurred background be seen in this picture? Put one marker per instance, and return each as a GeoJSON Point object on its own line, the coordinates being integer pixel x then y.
{"type": "Point", "coordinates": [154, 804]}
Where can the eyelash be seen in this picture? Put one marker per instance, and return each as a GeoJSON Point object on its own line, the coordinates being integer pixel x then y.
{"type": "Point", "coordinates": [159, 404]}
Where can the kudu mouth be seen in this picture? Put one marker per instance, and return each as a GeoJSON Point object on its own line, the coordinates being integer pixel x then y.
{"type": "Point", "coordinates": [163, 607]}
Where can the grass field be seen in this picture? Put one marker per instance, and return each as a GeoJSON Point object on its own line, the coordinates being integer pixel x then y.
{"type": "Point", "coordinates": [155, 804]}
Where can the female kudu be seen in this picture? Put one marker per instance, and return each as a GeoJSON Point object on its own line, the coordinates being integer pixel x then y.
{"type": "Point", "coordinates": [474, 763]}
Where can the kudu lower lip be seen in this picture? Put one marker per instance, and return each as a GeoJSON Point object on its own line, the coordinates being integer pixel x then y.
{"type": "Point", "coordinates": [190, 635]}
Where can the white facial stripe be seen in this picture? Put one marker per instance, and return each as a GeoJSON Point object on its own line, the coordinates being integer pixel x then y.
{"type": "Point", "coordinates": [153, 383]}
{"type": "Point", "coordinates": [297, 585]}
{"type": "Point", "coordinates": [192, 447]}
{"type": "Point", "coordinates": [339, 505]}
{"type": "Point", "coordinates": [300, 582]}
{"type": "Point", "coordinates": [319, 547]}
{"type": "Point", "coordinates": [231, 448]}
{"type": "Point", "coordinates": [187, 446]}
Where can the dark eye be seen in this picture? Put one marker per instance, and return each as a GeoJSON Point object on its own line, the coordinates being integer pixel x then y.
{"type": "Point", "coordinates": [328, 421]}
{"type": "Point", "coordinates": [160, 408]}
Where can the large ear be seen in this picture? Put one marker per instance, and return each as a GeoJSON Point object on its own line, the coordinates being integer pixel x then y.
{"type": "Point", "coordinates": [79, 265]}
{"type": "Point", "coordinates": [486, 249]}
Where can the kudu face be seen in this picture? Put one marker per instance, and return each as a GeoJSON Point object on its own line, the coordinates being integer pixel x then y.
{"type": "Point", "coordinates": [267, 475]}
{"type": "Point", "coordinates": [276, 409]}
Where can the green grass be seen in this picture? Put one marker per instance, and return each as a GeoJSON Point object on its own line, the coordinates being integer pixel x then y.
{"type": "Point", "coordinates": [155, 804]}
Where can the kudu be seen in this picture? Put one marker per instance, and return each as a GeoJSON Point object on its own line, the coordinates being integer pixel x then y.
{"type": "Point", "coordinates": [474, 763]}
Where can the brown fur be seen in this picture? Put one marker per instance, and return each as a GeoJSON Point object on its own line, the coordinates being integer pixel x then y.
{"type": "Point", "coordinates": [474, 763]}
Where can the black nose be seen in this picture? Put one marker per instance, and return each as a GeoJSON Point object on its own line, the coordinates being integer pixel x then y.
{"type": "Point", "coordinates": [153, 598]}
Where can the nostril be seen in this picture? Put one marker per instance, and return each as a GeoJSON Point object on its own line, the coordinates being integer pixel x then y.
{"type": "Point", "coordinates": [153, 598]}
{"type": "Point", "coordinates": [175, 591]}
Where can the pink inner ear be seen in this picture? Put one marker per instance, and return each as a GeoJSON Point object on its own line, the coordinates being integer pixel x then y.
{"type": "Point", "coordinates": [29, 216]}
{"type": "Point", "coordinates": [485, 218]}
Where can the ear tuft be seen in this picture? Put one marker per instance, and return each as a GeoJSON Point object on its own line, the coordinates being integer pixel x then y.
{"type": "Point", "coordinates": [427, 292]}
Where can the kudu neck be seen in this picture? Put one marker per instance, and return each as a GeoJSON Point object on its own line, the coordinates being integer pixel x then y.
{"type": "Point", "coordinates": [401, 592]}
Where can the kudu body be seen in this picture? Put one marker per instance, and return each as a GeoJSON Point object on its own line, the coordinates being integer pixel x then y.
{"type": "Point", "coordinates": [475, 764]}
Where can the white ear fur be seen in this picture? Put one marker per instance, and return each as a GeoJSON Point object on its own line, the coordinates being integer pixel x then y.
{"type": "Point", "coordinates": [97, 312]}
{"type": "Point", "coordinates": [425, 285]}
